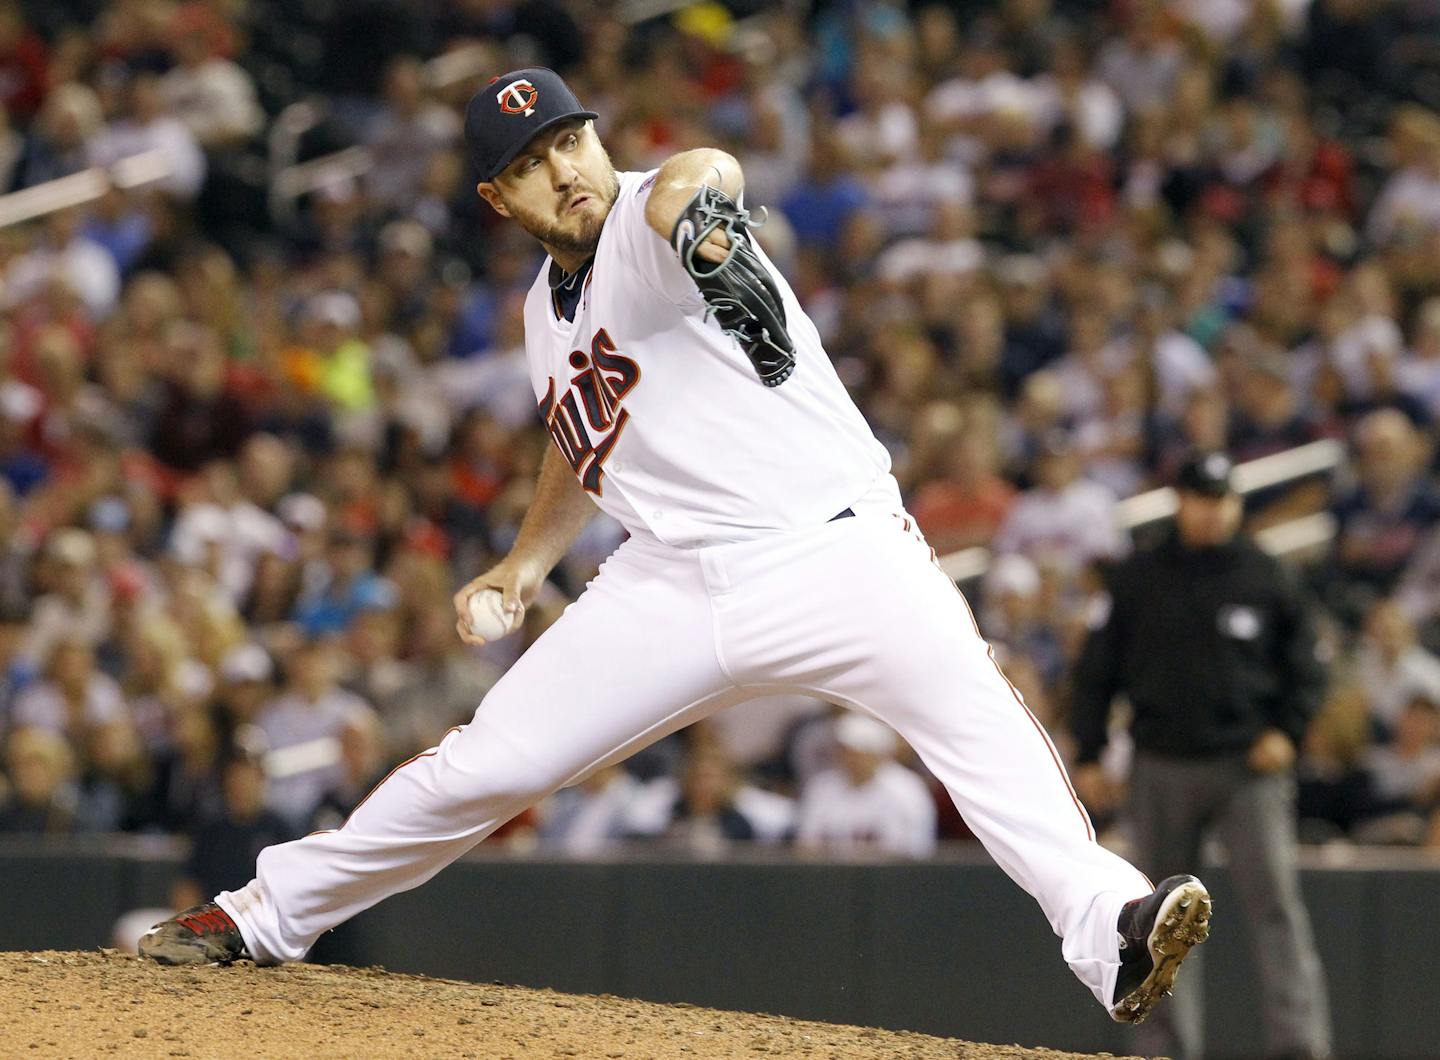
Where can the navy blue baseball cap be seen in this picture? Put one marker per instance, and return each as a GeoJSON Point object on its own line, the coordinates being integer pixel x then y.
{"type": "Point", "coordinates": [1210, 474]}
{"type": "Point", "coordinates": [507, 113]}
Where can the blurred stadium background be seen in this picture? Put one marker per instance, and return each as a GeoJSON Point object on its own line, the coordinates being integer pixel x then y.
{"type": "Point", "coordinates": [263, 407]}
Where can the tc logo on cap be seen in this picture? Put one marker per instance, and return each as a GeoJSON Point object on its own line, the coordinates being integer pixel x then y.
{"type": "Point", "coordinates": [518, 97]}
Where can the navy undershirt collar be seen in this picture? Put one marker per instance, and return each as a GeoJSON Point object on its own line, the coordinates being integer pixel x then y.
{"type": "Point", "coordinates": [566, 289]}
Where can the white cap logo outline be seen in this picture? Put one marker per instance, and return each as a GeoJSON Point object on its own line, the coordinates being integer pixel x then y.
{"type": "Point", "coordinates": [518, 97]}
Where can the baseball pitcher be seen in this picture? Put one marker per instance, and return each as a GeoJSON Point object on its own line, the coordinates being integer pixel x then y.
{"type": "Point", "coordinates": [687, 394]}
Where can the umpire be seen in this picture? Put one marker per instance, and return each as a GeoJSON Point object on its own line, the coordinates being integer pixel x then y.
{"type": "Point", "coordinates": [1211, 642]}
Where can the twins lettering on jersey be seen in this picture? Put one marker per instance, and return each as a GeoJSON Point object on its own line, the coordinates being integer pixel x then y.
{"type": "Point", "coordinates": [586, 438]}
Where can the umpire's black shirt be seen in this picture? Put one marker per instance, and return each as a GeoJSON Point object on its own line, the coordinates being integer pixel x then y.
{"type": "Point", "coordinates": [1211, 646]}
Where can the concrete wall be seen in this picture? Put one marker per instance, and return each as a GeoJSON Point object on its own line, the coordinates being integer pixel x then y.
{"type": "Point", "coordinates": [949, 947]}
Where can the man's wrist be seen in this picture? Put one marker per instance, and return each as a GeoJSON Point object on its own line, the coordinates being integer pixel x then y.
{"type": "Point", "coordinates": [527, 569]}
{"type": "Point", "coordinates": [681, 176]}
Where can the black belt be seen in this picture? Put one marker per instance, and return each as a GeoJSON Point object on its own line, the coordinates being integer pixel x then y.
{"type": "Point", "coordinates": [846, 514]}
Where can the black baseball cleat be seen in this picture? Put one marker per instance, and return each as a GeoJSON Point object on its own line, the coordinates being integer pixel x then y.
{"type": "Point", "coordinates": [1157, 933]}
{"type": "Point", "coordinates": [204, 934]}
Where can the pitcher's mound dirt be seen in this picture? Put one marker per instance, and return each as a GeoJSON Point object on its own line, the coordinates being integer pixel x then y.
{"type": "Point", "coordinates": [107, 1003]}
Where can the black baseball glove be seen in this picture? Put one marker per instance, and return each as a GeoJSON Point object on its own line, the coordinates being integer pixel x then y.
{"type": "Point", "coordinates": [738, 290]}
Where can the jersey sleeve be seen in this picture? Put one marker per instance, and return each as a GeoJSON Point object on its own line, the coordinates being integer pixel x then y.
{"type": "Point", "coordinates": [653, 259]}
{"type": "Point", "coordinates": [912, 822]}
{"type": "Point", "coordinates": [536, 305]}
{"type": "Point", "coordinates": [810, 821]}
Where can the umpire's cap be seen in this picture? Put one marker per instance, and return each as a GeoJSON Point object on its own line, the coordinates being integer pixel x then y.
{"type": "Point", "coordinates": [507, 113]}
{"type": "Point", "coordinates": [1210, 474]}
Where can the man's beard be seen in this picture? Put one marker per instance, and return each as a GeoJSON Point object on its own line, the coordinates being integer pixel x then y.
{"type": "Point", "coordinates": [587, 238]}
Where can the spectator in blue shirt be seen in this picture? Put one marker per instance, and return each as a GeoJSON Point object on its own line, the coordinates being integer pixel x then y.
{"type": "Point", "coordinates": [349, 585]}
{"type": "Point", "coordinates": [822, 206]}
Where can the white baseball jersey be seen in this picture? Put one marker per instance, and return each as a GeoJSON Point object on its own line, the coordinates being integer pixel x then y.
{"type": "Point", "coordinates": [892, 812]}
{"type": "Point", "coordinates": [661, 413]}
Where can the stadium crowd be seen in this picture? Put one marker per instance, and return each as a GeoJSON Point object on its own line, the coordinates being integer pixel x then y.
{"type": "Point", "coordinates": [251, 441]}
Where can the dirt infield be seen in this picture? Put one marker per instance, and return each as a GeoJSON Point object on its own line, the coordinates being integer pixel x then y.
{"type": "Point", "coordinates": [107, 1003]}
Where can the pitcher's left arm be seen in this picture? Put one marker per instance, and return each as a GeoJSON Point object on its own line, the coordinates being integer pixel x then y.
{"type": "Point", "coordinates": [694, 205]}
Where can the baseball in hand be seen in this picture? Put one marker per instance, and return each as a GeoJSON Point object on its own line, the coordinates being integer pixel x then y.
{"type": "Point", "coordinates": [488, 618]}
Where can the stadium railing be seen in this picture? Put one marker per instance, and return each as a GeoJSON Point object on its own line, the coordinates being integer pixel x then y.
{"type": "Point", "coordinates": [1286, 538]}
{"type": "Point", "coordinates": [78, 189]}
{"type": "Point", "coordinates": [290, 178]}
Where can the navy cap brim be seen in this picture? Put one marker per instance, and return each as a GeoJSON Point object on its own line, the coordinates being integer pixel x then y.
{"type": "Point", "coordinates": [1213, 490]}
{"type": "Point", "coordinates": [509, 156]}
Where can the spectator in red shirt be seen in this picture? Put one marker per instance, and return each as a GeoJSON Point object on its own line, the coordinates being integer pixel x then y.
{"type": "Point", "coordinates": [24, 71]}
{"type": "Point", "coordinates": [968, 505]}
{"type": "Point", "coordinates": [1073, 185]}
{"type": "Point", "coordinates": [201, 419]}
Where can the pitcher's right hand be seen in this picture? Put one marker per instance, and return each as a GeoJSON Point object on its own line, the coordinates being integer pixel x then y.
{"type": "Point", "coordinates": [517, 583]}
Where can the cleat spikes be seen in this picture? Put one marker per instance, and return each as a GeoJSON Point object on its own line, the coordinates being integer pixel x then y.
{"type": "Point", "coordinates": [1158, 931]}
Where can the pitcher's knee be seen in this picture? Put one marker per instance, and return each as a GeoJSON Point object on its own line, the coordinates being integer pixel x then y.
{"type": "Point", "coordinates": [494, 774]}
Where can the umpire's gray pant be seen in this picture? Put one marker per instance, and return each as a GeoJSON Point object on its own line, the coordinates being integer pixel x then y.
{"type": "Point", "coordinates": [1173, 802]}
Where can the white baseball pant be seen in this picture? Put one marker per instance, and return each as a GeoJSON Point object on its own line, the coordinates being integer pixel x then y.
{"type": "Point", "coordinates": [854, 611]}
